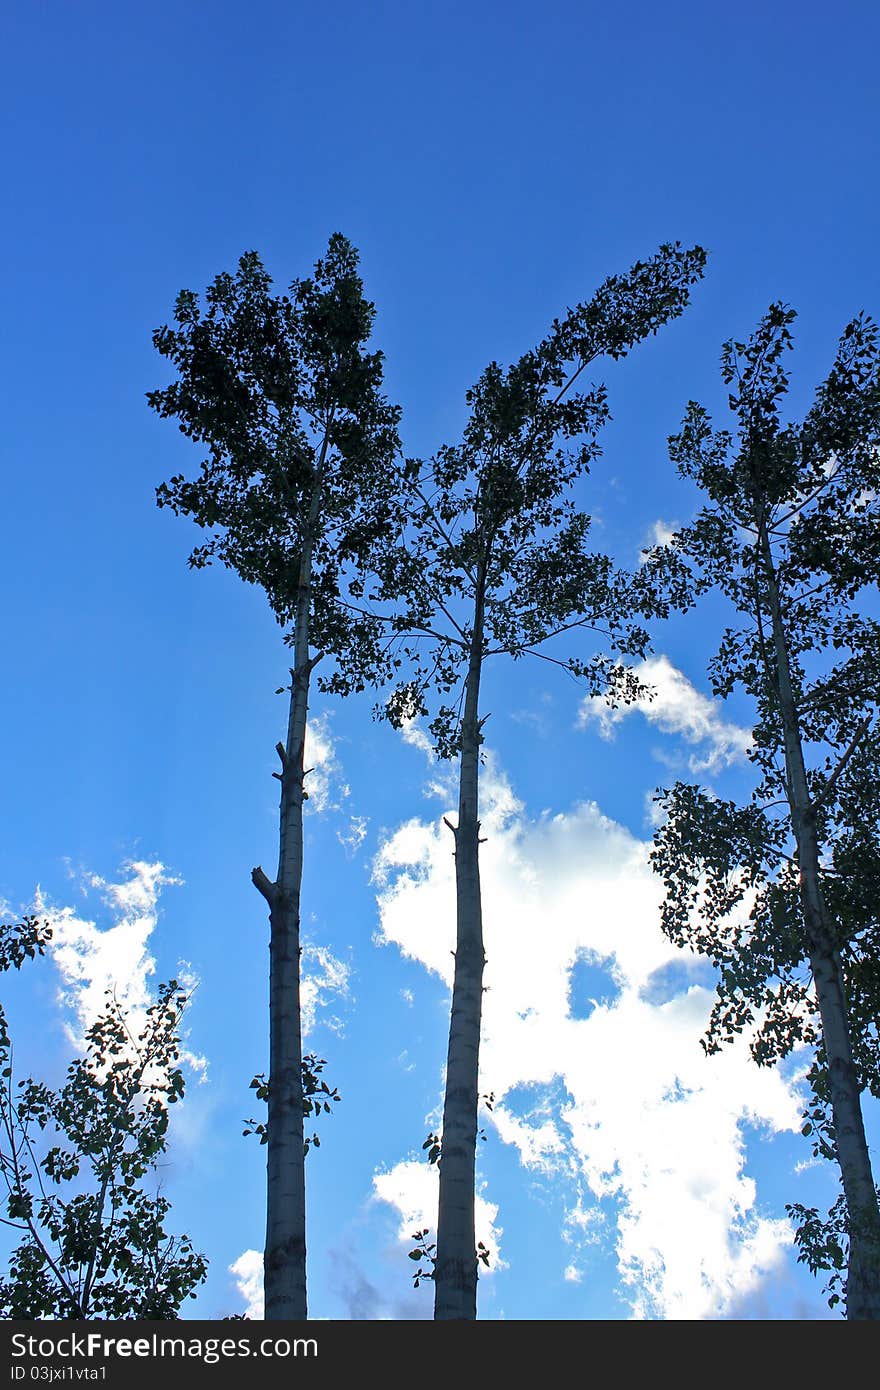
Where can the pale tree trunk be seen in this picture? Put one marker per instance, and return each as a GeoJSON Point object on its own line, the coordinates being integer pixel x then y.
{"type": "Point", "coordinates": [863, 1279]}
{"type": "Point", "coordinates": [455, 1271]}
{"type": "Point", "coordinates": [284, 1262]}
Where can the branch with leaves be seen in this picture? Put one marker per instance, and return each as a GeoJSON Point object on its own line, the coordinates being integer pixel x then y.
{"type": "Point", "coordinates": [74, 1161]}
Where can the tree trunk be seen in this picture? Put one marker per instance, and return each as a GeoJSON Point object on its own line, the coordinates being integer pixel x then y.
{"type": "Point", "coordinates": [455, 1271]}
{"type": "Point", "coordinates": [863, 1277]}
{"type": "Point", "coordinates": [284, 1261]}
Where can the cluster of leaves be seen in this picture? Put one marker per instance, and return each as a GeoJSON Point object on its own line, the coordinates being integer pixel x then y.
{"type": "Point", "coordinates": [795, 506]}
{"type": "Point", "coordinates": [281, 391]}
{"type": "Point", "coordinates": [733, 896]}
{"type": "Point", "coordinates": [316, 1093]}
{"type": "Point", "coordinates": [424, 1253]}
{"type": "Point", "coordinates": [93, 1241]}
{"type": "Point", "coordinates": [433, 1145]}
{"type": "Point", "coordinates": [823, 1244]}
{"type": "Point", "coordinates": [21, 941]}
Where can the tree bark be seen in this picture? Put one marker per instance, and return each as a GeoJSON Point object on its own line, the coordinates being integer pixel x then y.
{"type": "Point", "coordinates": [455, 1271]}
{"type": "Point", "coordinates": [863, 1277]}
{"type": "Point", "coordinates": [284, 1261]}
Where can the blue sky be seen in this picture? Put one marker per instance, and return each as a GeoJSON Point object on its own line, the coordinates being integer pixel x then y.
{"type": "Point", "coordinates": [493, 163]}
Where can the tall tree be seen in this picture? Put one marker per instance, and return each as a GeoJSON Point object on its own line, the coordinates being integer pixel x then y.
{"type": "Point", "coordinates": [298, 482]}
{"type": "Point", "coordinates": [782, 892]}
{"type": "Point", "coordinates": [496, 562]}
{"type": "Point", "coordinates": [92, 1241]}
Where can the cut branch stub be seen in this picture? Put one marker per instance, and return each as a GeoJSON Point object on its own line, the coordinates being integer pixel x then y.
{"type": "Point", "coordinates": [264, 885]}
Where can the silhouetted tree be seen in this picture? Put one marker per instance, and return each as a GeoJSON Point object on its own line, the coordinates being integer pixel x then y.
{"type": "Point", "coordinates": [93, 1241]}
{"type": "Point", "coordinates": [782, 892]}
{"type": "Point", "coordinates": [298, 482]}
{"type": "Point", "coordinates": [496, 562]}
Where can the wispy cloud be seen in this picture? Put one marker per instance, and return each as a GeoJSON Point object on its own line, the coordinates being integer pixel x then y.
{"type": "Point", "coordinates": [353, 837]}
{"type": "Point", "coordinates": [325, 980]}
{"type": "Point", "coordinates": [675, 706]}
{"type": "Point", "coordinates": [442, 779]}
{"type": "Point", "coordinates": [326, 786]}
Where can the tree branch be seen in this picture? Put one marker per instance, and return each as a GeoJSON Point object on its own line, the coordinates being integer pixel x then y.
{"type": "Point", "coordinates": [441, 531]}
{"type": "Point", "coordinates": [826, 791]}
{"type": "Point", "coordinates": [799, 507]}
{"type": "Point", "coordinates": [264, 885]}
{"type": "Point", "coordinates": [34, 1233]}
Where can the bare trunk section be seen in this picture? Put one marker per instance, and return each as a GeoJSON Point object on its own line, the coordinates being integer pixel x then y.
{"type": "Point", "coordinates": [284, 1261]}
{"type": "Point", "coordinates": [863, 1285]}
{"type": "Point", "coordinates": [455, 1271]}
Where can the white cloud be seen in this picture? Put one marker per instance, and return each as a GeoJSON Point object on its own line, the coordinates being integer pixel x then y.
{"type": "Point", "coordinates": [441, 782]}
{"type": "Point", "coordinates": [325, 785]}
{"type": "Point", "coordinates": [585, 1222]}
{"type": "Point", "coordinates": [322, 762]}
{"type": "Point", "coordinates": [662, 533]}
{"type": "Point", "coordinates": [622, 1101]}
{"type": "Point", "coordinates": [413, 734]}
{"type": "Point", "coordinates": [675, 707]}
{"type": "Point", "coordinates": [92, 959]}
{"type": "Point", "coordinates": [325, 978]}
{"type": "Point", "coordinates": [247, 1271]}
{"type": "Point", "coordinates": [411, 1187]}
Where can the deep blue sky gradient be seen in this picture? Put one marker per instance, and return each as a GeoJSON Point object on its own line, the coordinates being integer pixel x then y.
{"type": "Point", "coordinates": [493, 162]}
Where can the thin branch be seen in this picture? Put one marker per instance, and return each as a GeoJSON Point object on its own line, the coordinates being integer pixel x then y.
{"type": "Point", "coordinates": [459, 629]}
{"type": "Point", "coordinates": [441, 530]}
{"type": "Point", "coordinates": [554, 661]}
{"type": "Point", "coordinates": [799, 507]}
{"type": "Point", "coordinates": [588, 624]}
{"type": "Point", "coordinates": [12, 1110]}
{"type": "Point", "coordinates": [810, 593]}
{"type": "Point", "coordinates": [851, 747]}
{"type": "Point", "coordinates": [391, 618]}
{"type": "Point", "coordinates": [32, 1229]}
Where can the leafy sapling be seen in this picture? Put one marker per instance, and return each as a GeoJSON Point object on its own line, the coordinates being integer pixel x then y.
{"type": "Point", "coordinates": [92, 1239]}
